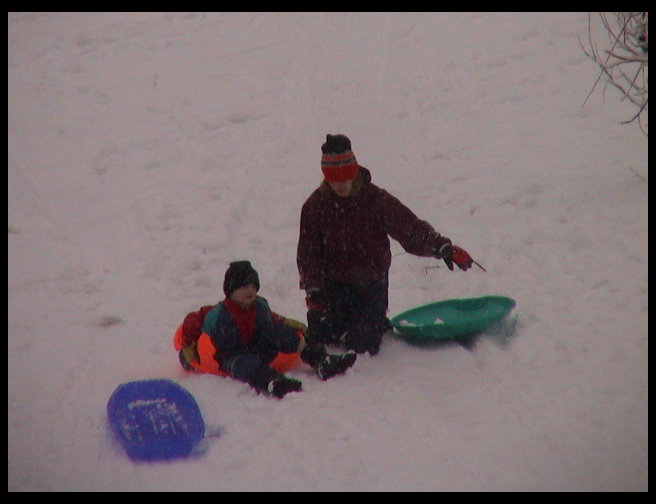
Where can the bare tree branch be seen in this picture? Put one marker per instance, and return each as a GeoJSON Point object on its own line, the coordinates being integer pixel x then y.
{"type": "Point", "coordinates": [625, 59]}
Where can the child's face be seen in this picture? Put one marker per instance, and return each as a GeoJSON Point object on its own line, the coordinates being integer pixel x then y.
{"type": "Point", "coordinates": [343, 188]}
{"type": "Point", "coordinates": [244, 296]}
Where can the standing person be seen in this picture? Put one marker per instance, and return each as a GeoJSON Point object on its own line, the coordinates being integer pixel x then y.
{"type": "Point", "coordinates": [344, 255]}
{"type": "Point", "coordinates": [241, 337]}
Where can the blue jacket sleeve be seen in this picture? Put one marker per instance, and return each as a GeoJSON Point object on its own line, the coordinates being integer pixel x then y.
{"type": "Point", "coordinates": [223, 332]}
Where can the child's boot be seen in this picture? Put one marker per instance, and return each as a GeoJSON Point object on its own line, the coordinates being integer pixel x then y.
{"type": "Point", "coordinates": [270, 381]}
{"type": "Point", "coordinates": [327, 365]}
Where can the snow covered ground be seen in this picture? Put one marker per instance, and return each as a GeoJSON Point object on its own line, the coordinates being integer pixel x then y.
{"type": "Point", "coordinates": [148, 150]}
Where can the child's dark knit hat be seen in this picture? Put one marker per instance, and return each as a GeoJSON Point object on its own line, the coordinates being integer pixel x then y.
{"type": "Point", "coordinates": [240, 273]}
{"type": "Point", "coordinates": [338, 162]}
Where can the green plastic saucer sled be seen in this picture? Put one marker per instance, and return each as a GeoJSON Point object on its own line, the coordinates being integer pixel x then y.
{"type": "Point", "coordinates": [451, 319]}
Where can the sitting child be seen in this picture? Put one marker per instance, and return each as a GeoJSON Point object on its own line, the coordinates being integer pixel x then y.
{"type": "Point", "coordinates": [246, 337]}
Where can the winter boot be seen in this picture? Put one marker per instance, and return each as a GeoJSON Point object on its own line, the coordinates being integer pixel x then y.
{"type": "Point", "coordinates": [324, 364]}
{"type": "Point", "coordinates": [270, 381]}
{"type": "Point", "coordinates": [283, 385]}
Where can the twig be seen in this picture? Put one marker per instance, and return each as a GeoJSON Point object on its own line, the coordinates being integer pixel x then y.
{"type": "Point", "coordinates": [426, 268]}
{"type": "Point", "coordinates": [637, 174]}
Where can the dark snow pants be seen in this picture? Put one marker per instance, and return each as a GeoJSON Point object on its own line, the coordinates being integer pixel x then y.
{"type": "Point", "coordinates": [276, 338]}
{"type": "Point", "coordinates": [358, 313]}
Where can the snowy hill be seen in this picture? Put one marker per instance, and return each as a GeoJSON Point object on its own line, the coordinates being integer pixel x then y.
{"type": "Point", "coordinates": [147, 151]}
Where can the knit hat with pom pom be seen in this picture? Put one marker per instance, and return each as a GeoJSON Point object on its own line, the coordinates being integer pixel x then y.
{"type": "Point", "coordinates": [338, 162]}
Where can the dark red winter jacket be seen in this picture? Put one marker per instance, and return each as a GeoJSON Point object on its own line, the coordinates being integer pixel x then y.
{"type": "Point", "coordinates": [346, 239]}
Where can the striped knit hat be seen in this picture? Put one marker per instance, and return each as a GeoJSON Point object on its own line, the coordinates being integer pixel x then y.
{"type": "Point", "coordinates": [338, 162]}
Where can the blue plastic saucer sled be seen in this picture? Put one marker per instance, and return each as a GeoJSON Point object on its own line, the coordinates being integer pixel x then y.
{"type": "Point", "coordinates": [155, 419]}
{"type": "Point", "coordinates": [451, 319]}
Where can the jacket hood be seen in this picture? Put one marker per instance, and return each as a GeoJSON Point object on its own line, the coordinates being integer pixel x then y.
{"type": "Point", "coordinates": [365, 174]}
